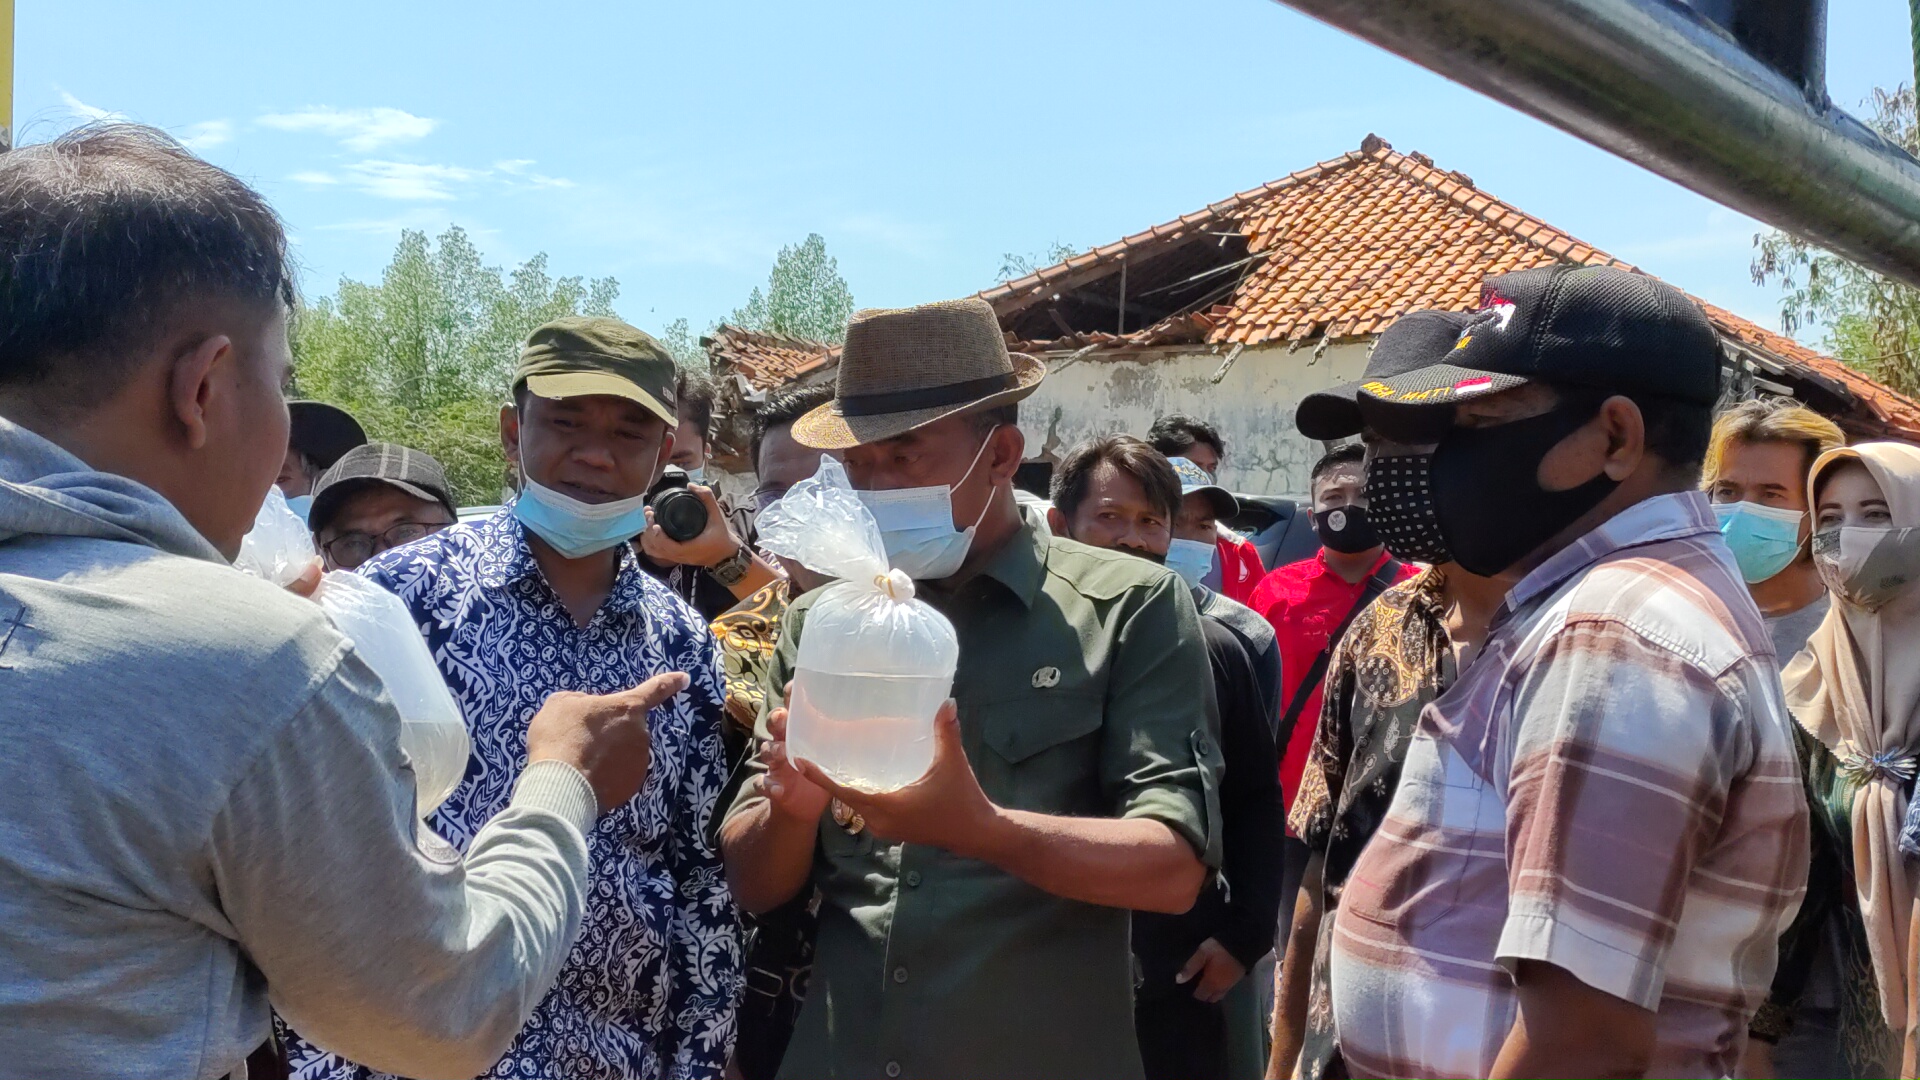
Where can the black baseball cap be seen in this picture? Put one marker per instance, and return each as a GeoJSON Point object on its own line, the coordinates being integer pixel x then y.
{"type": "Point", "coordinates": [1596, 326]}
{"type": "Point", "coordinates": [412, 471]}
{"type": "Point", "coordinates": [322, 432]}
{"type": "Point", "coordinates": [1415, 340]}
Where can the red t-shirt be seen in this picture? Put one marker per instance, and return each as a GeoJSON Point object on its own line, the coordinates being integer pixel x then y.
{"type": "Point", "coordinates": [1240, 567]}
{"type": "Point", "coordinates": [1306, 602]}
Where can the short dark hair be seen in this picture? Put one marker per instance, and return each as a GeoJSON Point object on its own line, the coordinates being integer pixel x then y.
{"type": "Point", "coordinates": [999, 416]}
{"type": "Point", "coordinates": [783, 407]}
{"type": "Point", "coordinates": [1678, 431]}
{"type": "Point", "coordinates": [1344, 454]}
{"type": "Point", "coordinates": [693, 400]}
{"type": "Point", "coordinates": [1175, 433]}
{"type": "Point", "coordinates": [1148, 467]}
{"type": "Point", "coordinates": [103, 232]}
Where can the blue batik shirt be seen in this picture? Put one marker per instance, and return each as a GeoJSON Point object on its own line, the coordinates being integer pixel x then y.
{"type": "Point", "coordinates": [648, 990]}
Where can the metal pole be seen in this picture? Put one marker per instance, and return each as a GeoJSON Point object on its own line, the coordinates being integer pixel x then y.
{"type": "Point", "coordinates": [6, 75]}
{"type": "Point", "coordinates": [1661, 86]}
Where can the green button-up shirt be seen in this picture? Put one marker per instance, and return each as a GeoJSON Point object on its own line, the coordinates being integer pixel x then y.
{"type": "Point", "coordinates": [1083, 690]}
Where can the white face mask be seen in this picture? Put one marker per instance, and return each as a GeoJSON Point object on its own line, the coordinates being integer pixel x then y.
{"type": "Point", "coordinates": [916, 525]}
{"type": "Point", "coordinates": [1867, 566]}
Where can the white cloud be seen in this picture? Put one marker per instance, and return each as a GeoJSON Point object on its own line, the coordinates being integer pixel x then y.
{"type": "Point", "coordinates": [408, 181]}
{"type": "Point", "coordinates": [205, 135]}
{"type": "Point", "coordinates": [357, 129]}
{"type": "Point", "coordinates": [84, 111]}
{"type": "Point", "coordinates": [315, 178]}
{"type": "Point", "coordinates": [520, 171]}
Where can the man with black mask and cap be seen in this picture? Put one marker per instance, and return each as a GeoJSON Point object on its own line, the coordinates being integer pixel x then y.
{"type": "Point", "coordinates": [1404, 650]}
{"type": "Point", "coordinates": [1599, 832]}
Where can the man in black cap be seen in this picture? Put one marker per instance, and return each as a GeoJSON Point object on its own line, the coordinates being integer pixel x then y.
{"type": "Point", "coordinates": [318, 436]}
{"type": "Point", "coordinates": [1398, 653]}
{"type": "Point", "coordinates": [378, 496]}
{"type": "Point", "coordinates": [1599, 832]}
{"type": "Point", "coordinates": [975, 922]}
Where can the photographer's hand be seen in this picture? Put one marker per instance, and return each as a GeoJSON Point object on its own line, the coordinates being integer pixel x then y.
{"type": "Point", "coordinates": [716, 544]}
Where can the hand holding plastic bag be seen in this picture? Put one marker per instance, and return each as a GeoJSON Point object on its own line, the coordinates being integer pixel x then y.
{"type": "Point", "coordinates": [432, 731]}
{"type": "Point", "coordinates": [875, 664]}
{"type": "Point", "coordinates": [279, 546]}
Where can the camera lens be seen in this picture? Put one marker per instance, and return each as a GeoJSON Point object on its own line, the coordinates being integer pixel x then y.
{"type": "Point", "coordinates": [680, 514]}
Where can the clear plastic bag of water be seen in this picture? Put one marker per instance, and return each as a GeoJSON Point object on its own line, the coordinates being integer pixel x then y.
{"type": "Point", "coordinates": [875, 664]}
{"type": "Point", "coordinates": [278, 547]}
{"type": "Point", "coordinates": [432, 731]}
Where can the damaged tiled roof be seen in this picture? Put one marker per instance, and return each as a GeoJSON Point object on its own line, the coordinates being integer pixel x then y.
{"type": "Point", "coordinates": [1342, 249]}
{"type": "Point", "coordinates": [765, 360]}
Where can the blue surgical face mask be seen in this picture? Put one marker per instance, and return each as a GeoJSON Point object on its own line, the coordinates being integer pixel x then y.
{"type": "Point", "coordinates": [1764, 539]}
{"type": "Point", "coordinates": [577, 529]}
{"type": "Point", "coordinates": [302, 505]}
{"type": "Point", "coordinates": [697, 476]}
{"type": "Point", "coordinates": [1191, 559]}
{"type": "Point", "coordinates": [916, 525]}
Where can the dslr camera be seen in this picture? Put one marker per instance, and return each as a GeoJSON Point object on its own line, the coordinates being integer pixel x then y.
{"type": "Point", "coordinates": [677, 510]}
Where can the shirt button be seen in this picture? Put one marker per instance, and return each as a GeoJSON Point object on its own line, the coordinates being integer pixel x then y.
{"type": "Point", "coordinates": [899, 974]}
{"type": "Point", "coordinates": [913, 879]}
{"type": "Point", "coordinates": [893, 1068]}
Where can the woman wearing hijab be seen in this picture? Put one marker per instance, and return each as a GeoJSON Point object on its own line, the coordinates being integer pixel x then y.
{"type": "Point", "coordinates": [1855, 688]}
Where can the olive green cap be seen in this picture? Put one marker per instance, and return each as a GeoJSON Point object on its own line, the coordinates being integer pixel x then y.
{"type": "Point", "coordinates": [581, 356]}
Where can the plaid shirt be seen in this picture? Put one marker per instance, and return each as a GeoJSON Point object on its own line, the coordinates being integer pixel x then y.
{"type": "Point", "coordinates": [1610, 787]}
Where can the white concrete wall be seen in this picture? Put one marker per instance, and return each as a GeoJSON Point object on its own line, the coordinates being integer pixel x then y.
{"type": "Point", "coordinates": [1252, 405]}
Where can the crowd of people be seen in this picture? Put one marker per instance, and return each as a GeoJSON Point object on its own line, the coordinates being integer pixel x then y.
{"type": "Point", "coordinates": [1582, 746]}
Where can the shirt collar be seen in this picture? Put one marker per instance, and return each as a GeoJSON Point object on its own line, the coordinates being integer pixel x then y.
{"type": "Point", "coordinates": [1320, 568]}
{"type": "Point", "coordinates": [1021, 562]}
{"type": "Point", "coordinates": [1662, 517]}
{"type": "Point", "coordinates": [507, 559]}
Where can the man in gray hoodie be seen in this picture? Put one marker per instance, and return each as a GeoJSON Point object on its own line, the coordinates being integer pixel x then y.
{"type": "Point", "coordinates": [204, 807]}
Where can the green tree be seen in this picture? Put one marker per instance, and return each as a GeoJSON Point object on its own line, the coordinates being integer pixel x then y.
{"type": "Point", "coordinates": [1015, 265]}
{"type": "Point", "coordinates": [424, 357]}
{"type": "Point", "coordinates": [1872, 323]}
{"type": "Point", "coordinates": [805, 296]}
{"type": "Point", "coordinates": [680, 340]}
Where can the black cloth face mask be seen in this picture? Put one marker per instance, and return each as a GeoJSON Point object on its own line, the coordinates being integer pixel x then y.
{"type": "Point", "coordinates": [1487, 494]}
{"type": "Point", "coordinates": [1400, 505]}
{"type": "Point", "coordinates": [1346, 529]}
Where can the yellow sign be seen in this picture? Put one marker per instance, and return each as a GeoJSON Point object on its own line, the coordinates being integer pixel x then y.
{"type": "Point", "coordinates": [6, 74]}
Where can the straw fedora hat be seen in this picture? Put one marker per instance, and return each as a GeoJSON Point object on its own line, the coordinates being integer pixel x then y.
{"type": "Point", "coordinates": [905, 368]}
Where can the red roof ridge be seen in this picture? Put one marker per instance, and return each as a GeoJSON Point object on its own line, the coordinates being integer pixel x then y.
{"type": "Point", "coordinates": [1214, 211]}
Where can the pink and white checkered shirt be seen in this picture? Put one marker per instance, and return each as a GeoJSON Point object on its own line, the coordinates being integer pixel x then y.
{"type": "Point", "coordinates": [1611, 788]}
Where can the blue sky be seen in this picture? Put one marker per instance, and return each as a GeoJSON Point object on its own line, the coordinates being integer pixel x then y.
{"type": "Point", "coordinates": [676, 147]}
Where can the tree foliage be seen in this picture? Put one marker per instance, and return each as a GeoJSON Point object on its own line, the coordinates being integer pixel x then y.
{"type": "Point", "coordinates": [1872, 322]}
{"type": "Point", "coordinates": [424, 357]}
{"type": "Point", "coordinates": [1015, 265]}
{"type": "Point", "coordinates": [805, 296]}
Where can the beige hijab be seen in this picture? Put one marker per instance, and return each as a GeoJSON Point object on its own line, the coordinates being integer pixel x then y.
{"type": "Point", "coordinates": [1856, 688]}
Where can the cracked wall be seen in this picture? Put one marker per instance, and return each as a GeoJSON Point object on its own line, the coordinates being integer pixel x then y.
{"type": "Point", "coordinates": [1252, 405]}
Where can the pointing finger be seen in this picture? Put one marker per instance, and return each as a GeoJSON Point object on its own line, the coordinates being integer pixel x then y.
{"type": "Point", "coordinates": [654, 692]}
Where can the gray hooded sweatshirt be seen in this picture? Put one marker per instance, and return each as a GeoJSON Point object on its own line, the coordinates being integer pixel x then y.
{"type": "Point", "coordinates": [204, 808]}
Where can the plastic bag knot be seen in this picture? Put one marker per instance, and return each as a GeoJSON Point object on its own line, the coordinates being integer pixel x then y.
{"type": "Point", "coordinates": [897, 586]}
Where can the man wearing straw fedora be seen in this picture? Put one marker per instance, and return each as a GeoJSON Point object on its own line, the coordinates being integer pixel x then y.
{"type": "Point", "coordinates": [974, 923]}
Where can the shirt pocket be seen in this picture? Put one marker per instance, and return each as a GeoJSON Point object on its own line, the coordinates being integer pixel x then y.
{"type": "Point", "coordinates": [1440, 841]}
{"type": "Point", "coordinates": [1042, 751]}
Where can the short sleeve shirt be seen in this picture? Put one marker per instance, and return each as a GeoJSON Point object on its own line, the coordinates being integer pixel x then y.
{"type": "Point", "coordinates": [1083, 689]}
{"type": "Point", "coordinates": [1611, 788]}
